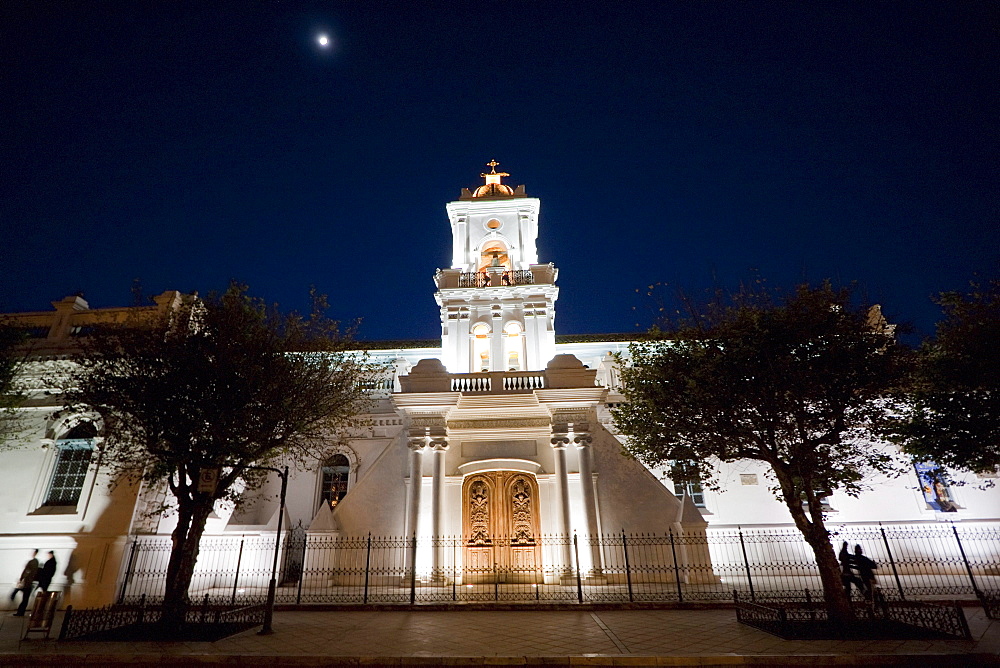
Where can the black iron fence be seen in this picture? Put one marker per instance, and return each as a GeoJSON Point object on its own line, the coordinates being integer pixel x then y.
{"type": "Point", "coordinates": [90, 622]}
{"type": "Point", "coordinates": [928, 561]}
{"type": "Point", "coordinates": [805, 616]}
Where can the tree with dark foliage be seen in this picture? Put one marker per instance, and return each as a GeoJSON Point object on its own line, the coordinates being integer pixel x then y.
{"type": "Point", "coordinates": [797, 382]}
{"type": "Point", "coordinates": [951, 412]}
{"type": "Point", "coordinates": [224, 384]}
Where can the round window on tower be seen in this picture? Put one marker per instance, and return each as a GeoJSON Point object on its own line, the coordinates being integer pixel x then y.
{"type": "Point", "coordinates": [493, 224]}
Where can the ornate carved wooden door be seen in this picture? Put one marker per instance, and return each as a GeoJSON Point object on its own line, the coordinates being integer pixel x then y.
{"type": "Point", "coordinates": [501, 528]}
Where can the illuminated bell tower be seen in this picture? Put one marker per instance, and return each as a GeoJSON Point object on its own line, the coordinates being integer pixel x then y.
{"type": "Point", "coordinates": [497, 302]}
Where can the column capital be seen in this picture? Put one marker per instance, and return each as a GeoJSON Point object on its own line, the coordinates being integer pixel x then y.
{"type": "Point", "coordinates": [439, 444]}
{"type": "Point", "coordinates": [582, 440]}
{"type": "Point", "coordinates": [417, 444]}
{"type": "Point", "coordinates": [560, 441]}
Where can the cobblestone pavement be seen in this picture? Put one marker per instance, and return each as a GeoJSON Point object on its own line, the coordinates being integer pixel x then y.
{"type": "Point", "coordinates": [528, 637]}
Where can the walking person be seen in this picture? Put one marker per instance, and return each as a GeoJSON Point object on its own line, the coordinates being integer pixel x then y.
{"type": "Point", "coordinates": [847, 575]}
{"type": "Point", "coordinates": [866, 571]}
{"type": "Point", "coordinates": [26, 583]}
{"type": "Point", "coordinates": [47, 572]}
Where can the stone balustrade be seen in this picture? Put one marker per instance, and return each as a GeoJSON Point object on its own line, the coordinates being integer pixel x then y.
{"type": "Point", "coordinates": [563, 372]}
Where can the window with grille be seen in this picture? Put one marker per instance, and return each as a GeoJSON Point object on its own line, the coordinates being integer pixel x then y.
{"type": "Point", "coordinates": [333, 486]}
{"type": "Point", "coordinates": [70, 472]}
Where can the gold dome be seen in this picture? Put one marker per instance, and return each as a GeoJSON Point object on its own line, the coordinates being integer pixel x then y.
{"type": "Point", "coordinates": [493, 190]}
{"type": "Point", "coordinates": [493, 186]}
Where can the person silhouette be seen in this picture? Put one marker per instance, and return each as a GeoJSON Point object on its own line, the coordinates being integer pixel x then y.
{"type": "Point", "coordinates": [47, 572]}
{"type": "Point", "coordinates": [865, 568]}
{"type": "Point", "coordinates": [847, 575]}
{"type": "Point", "coordinates": [26, 583]}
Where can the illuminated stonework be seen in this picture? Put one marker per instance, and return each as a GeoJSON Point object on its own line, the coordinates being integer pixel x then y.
{"type": "Point", "coordinates": [496, 301]}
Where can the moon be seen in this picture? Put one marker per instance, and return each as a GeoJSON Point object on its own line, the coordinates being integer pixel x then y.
{"type": "Point", "coordinates": [323, 41]}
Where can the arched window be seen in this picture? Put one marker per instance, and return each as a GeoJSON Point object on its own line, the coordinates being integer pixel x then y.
{"type": "Point", "coordinates": [513, 346]}
{"type": "Point", "coordinates": [481, 347]}
{"type": "Point", "coordinates": [494, 254]}
{"type": "Point", "coordinates": [335, 474]}
{"type": "Point", "coordinates": [73, 455]}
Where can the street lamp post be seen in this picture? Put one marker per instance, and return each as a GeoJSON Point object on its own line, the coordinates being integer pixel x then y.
{"type": "Point", "coordinates": [273, 584]}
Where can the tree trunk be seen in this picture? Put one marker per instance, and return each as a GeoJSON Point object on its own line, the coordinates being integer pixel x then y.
{"type": "Point", "coordinates": [183, 556]}
{"type": "Point", "coordinates": [838, 606]}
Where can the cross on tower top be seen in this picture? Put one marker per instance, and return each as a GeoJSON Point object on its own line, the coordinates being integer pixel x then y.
{"type": "Point", "coordinates": [493, 176]}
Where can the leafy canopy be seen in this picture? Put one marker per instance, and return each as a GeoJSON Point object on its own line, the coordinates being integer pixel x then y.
{"type": "Point", "coordinates": [795, 381]}
{"type": "Point", "coordinates": [951, 411]}
{"type": "Point", "coordinates": [227, 383]}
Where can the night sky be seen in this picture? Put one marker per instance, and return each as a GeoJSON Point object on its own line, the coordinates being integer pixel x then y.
{"type": "Point", "coordinates": [691, 143]}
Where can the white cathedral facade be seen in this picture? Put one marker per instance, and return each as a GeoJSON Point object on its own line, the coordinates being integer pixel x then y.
{"type": "Point", "coordinates": [502, 431]}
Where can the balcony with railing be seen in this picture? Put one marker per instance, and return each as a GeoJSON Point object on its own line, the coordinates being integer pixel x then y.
{"type": "Point", "coordinates": [483, 279]}
{"type": "Point", "coordinates": [495, 277]}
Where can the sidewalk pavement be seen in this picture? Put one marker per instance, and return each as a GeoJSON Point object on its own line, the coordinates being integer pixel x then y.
{"type": "Point", "coordinates": [584, 637]}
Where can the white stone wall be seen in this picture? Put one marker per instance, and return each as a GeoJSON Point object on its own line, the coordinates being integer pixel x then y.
{"type": "Point", "coordinates": [88, 540]}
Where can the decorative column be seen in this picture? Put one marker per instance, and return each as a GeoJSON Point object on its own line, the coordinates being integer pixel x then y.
{"type": "Point", "coordinates": [582, 439]}
{"type": "Point", "coordinates": [497, 360]}
{"type": "Point", "coordinates": [439, 446]}
{"type": "Point", "coordinates": [417, 444]}
{"type": "Point", "coordinates": [559, 443]}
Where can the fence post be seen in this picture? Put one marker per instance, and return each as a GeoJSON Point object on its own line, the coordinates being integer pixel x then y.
{"type": "Point", "coordinates": [892, 562]}
{"type": "Point", "coordinates": [413, 570]}
{"type": "Point", "coordinates": [454, 568]}
{"type": "Point", "coordinates": [968, 568]}
{"type": "Point", "coordinates": [368, 563]}
{"type": "Point", "coordinates": [142, 608]}
{"type": "Point", "coordinates": [677, 570]}
{"type": "Point", "coordinates": [963, 621]}
{"type": "Point", "coordinates": [746, 563]}
{"type": "Point", "coordinates": [128, 570]}
{"type": "Point", "coordinates": [204, 609]}
{"type": "Point", "coordinates": [809, 600]}
{"type": "Point", "coordinates": [302, 566]}
{"type": "Point", "coordinates": [65, 623]}
{"type": "Point", "coordinates": [236, 579]}
{"type": "Point", "coordinates": [628, 570]}
{"type": "Point", "coordinates": [576, 553]}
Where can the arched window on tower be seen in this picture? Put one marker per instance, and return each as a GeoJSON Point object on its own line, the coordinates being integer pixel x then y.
{"type": "Point", "coordinates": [494, 254]}
{"type": "Point", "coordinates": [335, 474]}
{"type": "Point", "coordinates": [481, 347]}
{"type": "Point", "coordinates": [513, 346]}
